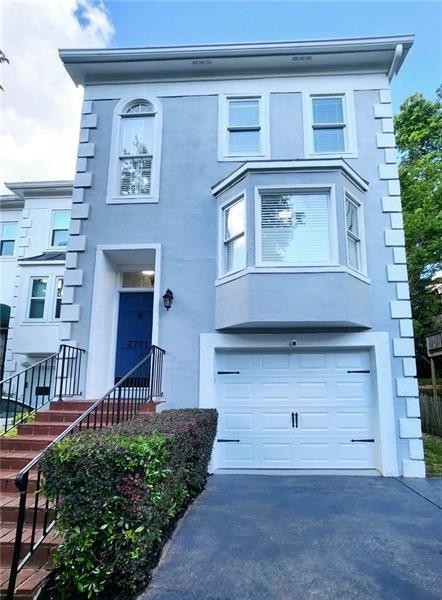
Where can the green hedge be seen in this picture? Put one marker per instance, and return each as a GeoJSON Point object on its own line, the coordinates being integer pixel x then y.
{"type": "Point", "coordinates": [120, 492]}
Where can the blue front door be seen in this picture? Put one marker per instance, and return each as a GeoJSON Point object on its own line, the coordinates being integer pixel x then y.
{"type": "Point", "coordinates": [134, 337]}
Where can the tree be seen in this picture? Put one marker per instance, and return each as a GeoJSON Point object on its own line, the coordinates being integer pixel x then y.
{"type": "Point", "coordinates": [3, 59]}
{"type": "Point", "coordinates": [419, 139]}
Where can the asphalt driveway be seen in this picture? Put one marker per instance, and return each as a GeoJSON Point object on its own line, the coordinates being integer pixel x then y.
{"type": "Point", "coordinates": [279, 537]}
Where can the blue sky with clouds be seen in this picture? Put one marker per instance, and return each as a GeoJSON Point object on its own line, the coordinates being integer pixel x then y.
{"type": "Point", "coordinates": [146, 22]}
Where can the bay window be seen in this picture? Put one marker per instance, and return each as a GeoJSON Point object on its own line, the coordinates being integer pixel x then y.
{"type": "Point", "coordinates": [294, 229]}
{"type": "Point", "coordinates": [353, 234]}
{"type": "Point", "coordinates": [234, 237]}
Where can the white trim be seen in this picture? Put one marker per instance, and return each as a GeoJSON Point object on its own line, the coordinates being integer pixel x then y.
{"type": "Point", "coordinates": [329, 188]}
{"type": "Point", "coordinates": [113, 195]}
{"type": "Point", "coordinates": [221, 228]}
{"type": "Point", "coordinates": [284, 269]}
{"type": "Point", "coordinates": [223, 124]}
{"type": "Point", "coordinates": [103, 332]}
{"type": "Point", "coordinates": [351, 147]}
{"type": "Point", "coordinates": [274, 166]}
{"type": "Point", "coordinates": [361, 224]}
{"type": "Point", "coordinates": [377, 342]}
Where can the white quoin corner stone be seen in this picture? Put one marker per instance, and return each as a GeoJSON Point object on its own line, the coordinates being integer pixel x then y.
{"type": "Point", "coordinates": [416, 449]}
{"type": "Point", "coordinates": [413, 468]}
{"type": "Point", "coordinates": [403, 347]}
{"type": "Point", "coordinates": [394, 237]}
{"type": "Point", "coordinates": [400, 309]}
{"type": "Point", "coordinates": [406, 386]}
{"type": "Point", "coordinates": [397, 273]}
{"type": "Point", "coordinates": [413, 409]}
{"type": "Point", "coordinates": [410, 428]}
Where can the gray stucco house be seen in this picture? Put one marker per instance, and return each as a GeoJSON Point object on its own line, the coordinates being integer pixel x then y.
{"type": "Point", "coordinates": [258, 183]}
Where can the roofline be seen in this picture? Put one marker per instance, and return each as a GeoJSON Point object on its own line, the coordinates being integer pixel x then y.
{"type": "Point", "coordinates": [281, 165]}
{"type": "Point", "coordinates": [100, 56]}
{"type": "Point", "coordinates": [68, 55]}
{"type": "Point", "coordinates": [26, 189]}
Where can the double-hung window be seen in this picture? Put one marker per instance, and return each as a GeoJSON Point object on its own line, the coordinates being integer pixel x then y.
{"type": "Point", "coordinates": [59, 284]}
{"type": "Point", "coordinates": [136, 149]}
{"type": "Point", "coordinates": [294, 229]}
{"type": "Point", "coordinates": [353, 233]}
{"type": "Point", "coordinates": [244, 127]}
{"type": "Point", "coordinates": [60, 228]}
{"type": "Point", "coordinates": [234, 237]}
{"type": "Point", "coordinates": [37, 301]}
{"type": "Point", "coordinates": [329, 125]}
{"type": "Point", "coordinates": [8, 233]}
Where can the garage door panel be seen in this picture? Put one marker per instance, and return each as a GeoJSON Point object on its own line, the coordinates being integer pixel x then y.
{"type": "Point", "coordinates": [333, 407]}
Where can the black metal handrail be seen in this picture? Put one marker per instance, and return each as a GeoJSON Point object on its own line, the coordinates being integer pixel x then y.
{"type": "Point", "coordinates": [140, 385]}
{"type": "Point", "coordinates": [56, 376]}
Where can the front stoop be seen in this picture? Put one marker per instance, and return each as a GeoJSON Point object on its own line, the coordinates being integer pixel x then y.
{"type": "Point", "coordinates": [17, 452]}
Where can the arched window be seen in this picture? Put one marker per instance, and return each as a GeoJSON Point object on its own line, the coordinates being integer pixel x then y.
{"type": "Point", "coordinates": [137, 138]}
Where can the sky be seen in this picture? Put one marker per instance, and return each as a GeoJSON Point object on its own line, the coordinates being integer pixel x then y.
{"type": "Point", "coordinates": [40, 106]}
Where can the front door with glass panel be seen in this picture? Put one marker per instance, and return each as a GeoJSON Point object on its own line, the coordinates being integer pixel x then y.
{"type": "Point", "coordinates": [134, 336]}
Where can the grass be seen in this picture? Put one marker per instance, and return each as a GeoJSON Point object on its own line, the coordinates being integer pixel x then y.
{"type": "Point", "coordinates": [433, 455]}
{"type": "Point", "coordinates": [29, 418]}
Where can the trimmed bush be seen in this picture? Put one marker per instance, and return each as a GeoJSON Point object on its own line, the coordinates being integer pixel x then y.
{"type": "Point", "coordinates": [120, 492]}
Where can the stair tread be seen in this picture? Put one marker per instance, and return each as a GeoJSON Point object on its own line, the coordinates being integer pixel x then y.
{"type": "Point", "coordinates": [7, 535]}
{"type": "Point", "coordinates": [12, 500]}
{"type": "Point", "coordinates": [31, 436]}
{"type": "Point", "coordinates": [11, 473]}
{"type": "Point", "coordinates": [28, 579]}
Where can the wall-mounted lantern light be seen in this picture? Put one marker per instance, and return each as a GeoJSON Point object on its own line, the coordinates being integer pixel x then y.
{"type": "Point", "coordinates": [168, 299]}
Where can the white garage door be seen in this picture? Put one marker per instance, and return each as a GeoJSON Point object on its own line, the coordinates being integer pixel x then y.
{"type": "Point", "coordinates": [295, 410]}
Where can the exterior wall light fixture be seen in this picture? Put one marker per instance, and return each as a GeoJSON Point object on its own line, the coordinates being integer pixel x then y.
{"type": "Point", "coordinates": [168, 299]}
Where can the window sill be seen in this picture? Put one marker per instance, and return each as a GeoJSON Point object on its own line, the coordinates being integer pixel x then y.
{"type": "Point", "coordinates": [332, 155]}
{"type": "Point", "coordinates": [290, 270]}
{"type": "Point", "coordinates": [33, 323]}
{"type": "Point", "coordinates": [240, 159]}
{"type": "Point", "coordinates": [132, 200]}
{"type": "Point", "coordinates": [8, 258]}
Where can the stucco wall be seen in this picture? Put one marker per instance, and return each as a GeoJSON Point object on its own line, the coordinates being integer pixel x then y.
{"type": "Point", "coordinates": [184, 223]}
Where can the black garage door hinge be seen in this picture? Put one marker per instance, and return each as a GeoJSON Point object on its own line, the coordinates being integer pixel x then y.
{"type": "Point", "coordinates": [228, 372]}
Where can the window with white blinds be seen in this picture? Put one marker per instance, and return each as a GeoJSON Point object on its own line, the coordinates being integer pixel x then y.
{"type": "Point", "coordinates": [136, 149]}
{"type": "Point", "coordinates": [354, 246]}
{"type": "Point", "coordinates": [244, 128]}
{"type": "Point", "coordinates": [234, 238]}
{"type": "Point", "coordinates": [329, 135]}
{"type": "Point", "coordinates": [295, 229]}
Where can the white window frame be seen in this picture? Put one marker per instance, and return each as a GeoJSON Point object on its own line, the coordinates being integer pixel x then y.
{"type": "Point", "coordinates": [298, 189]}
{"type": "Point", "coordinates": [223, 127]}
{"type": "Point", "coordinates": [51, 230]}
{"type": "Point", "coordinates": [350, 140]}
{"type": "Point", "coordinates": [46, 300]}
{"type": "Point", "coordinates": [2, 239]}
{"type": "Point", "coordinates": [222, 262]}
{"type": "Point", "coordinates": [362, 248]}
{"type": "Point", "coordinates": [114, 195]}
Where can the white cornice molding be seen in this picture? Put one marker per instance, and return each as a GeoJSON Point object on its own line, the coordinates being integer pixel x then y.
{"type": "Point", "coordinates": [274, 166]}
{"type": "Point", "coordinates": [88, 65]}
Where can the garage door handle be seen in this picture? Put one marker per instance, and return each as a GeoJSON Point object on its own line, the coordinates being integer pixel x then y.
{"type": "Point", "coordinates": [228, 372]}
{"type": "Point", "coordinates": [295, 420]}
{"type": "Point", "coordinates": [221, 440]}
{"type": "Point", "coordinates": [368, 441]}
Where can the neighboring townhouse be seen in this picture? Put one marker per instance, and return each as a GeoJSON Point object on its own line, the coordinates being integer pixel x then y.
{"type": "Point", "coordinates": [35, 230]}
{"type": "Point", "coordinates": [239, 206]}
